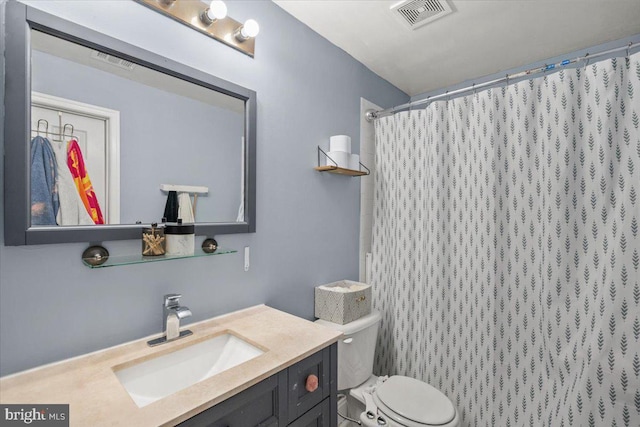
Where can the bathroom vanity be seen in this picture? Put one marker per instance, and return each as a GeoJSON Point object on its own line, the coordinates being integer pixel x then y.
{"type": "Point", "coordinates": [282, 400]}
{"type": "Point", "coordinates": [270, 389]}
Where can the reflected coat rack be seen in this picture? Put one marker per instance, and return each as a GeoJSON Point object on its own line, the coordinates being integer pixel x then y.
{"type": "Point", "coordinates": [61, 134]}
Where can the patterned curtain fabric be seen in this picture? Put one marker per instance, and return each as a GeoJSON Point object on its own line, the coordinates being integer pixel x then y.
{"type": "Point", "coordinates": [506, 249]}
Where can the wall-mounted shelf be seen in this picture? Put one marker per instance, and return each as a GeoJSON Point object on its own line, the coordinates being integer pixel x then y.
{"type": "Point", "coordinates": [334, 168]}
{"type": "Point", "coordinates": [341, 171]}
{"type": "Point", "coordinates": [116, 260]}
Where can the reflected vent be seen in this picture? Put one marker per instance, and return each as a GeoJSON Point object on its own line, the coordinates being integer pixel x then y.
{"type": "Point", "coordinates": [113, 60]}
{"type": "Point", "coordinates": [416, 13]}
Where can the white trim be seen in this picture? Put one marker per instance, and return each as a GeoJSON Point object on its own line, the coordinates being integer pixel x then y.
{"type": "Point", "coordinates": [112, 120]}
{"type": "Point", "coordinates": [240, 216]}
{"type": "Point", "coordinates": [367, 157]}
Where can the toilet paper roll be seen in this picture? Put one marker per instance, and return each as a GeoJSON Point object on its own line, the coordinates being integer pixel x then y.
{"type": "Point", "coordinates": [340, 143]}
{"type": "Point", "coordinates": [354, 162]}
{"type": "Point", "coordinates": [339, 157]}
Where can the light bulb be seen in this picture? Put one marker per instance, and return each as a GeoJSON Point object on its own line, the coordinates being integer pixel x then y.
{"type": "Point", "coordinates": [217, 10]}
{"type": "Point", "coordinates": [250, 29]}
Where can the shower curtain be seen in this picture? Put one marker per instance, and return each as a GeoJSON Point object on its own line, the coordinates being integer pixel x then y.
{"type": "Point", "coordinates": [506, 251]}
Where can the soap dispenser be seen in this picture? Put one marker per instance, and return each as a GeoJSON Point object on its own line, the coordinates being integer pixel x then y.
{"type": "Point", "coordinates": [180, 238]}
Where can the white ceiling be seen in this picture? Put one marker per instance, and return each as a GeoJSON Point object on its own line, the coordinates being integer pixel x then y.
{"type": "Point", "coordinates": [478, 39]}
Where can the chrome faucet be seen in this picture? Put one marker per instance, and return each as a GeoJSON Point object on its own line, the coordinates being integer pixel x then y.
{"type": "Point", "coordinates": [172, 312]}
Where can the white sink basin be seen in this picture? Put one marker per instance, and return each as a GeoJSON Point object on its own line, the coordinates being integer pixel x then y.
{"type": "Point", "coordinates": [162, 376]}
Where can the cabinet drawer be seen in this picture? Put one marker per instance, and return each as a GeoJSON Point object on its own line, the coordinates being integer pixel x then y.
{"type": "Point", "coordinates": [318, 416]}
{"type": "Point", "coordinates": [301, 400]}
{"type": "Point", "coordinates": [261, 405]}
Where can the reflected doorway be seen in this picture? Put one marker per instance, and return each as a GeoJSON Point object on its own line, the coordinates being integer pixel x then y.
{"type": "Point", "coordinates": [96, 130]}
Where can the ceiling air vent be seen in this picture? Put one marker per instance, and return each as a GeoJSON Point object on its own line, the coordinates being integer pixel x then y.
{"type": "Point", "coordinates": [113, 60]}
{"type": "Point", "coordinates": [416, 13]}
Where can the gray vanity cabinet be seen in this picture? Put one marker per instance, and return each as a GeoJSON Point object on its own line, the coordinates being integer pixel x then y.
{"type": "Point", "coordinates": [281, 399]}
{"type": "Point", "coordinates": [300, 400]}
{"type": "Point", "coordinates": [256, 406]}
{"type": "Point", "coordinates": [318, 416]}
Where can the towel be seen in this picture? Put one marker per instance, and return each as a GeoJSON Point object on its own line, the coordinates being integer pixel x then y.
{"type": "Point", "coordinates": [44, 195]}
{"type": "Point", "coordinates": [75, 161]}
{"type": "Point", "coordinates": [171, 207]}
{"type": "Point", "coordinates": [185, 210]}
{"type": "Point", "coordinates": [72, 210]}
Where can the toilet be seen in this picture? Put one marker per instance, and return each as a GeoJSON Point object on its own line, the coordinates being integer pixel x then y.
{"type": "Point", "coordinates": [398, 401]}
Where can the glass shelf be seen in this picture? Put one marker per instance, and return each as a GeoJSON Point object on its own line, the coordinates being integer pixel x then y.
{"type": "Point", "coordinates": [115, 260]}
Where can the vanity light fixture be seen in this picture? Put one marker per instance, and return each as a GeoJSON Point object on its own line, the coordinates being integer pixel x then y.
{"type": "Point", "coordinates": [209, 18]}
{"type": "Point", "coordinates": [248, 30]}
{"type": "Point", "coordinates": [216, 10]}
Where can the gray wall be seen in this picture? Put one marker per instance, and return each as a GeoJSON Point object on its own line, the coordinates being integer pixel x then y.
{"type": "Point", "coordinates": [52, 307]}
{"type": "Point", "coordinates": [165, 139]}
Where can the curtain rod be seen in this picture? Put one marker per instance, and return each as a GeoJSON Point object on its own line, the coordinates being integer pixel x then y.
{"type": "Point", "coordinates": [371, 115]}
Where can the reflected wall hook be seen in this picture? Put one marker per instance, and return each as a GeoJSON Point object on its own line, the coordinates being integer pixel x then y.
{"type": "Point", "coordinates": [46, 127]}
{"type": "Point", "coordinates": [64, 130]}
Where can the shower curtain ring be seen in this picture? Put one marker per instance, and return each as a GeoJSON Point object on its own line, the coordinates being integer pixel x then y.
{"type": "Point", "coordinates": [586, 61]}
{"type": "Point", "coordinates": [628, 50]}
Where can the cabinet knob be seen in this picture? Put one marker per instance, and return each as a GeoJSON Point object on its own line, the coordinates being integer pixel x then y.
{"type": "Point", "coordinates": [312, 383]}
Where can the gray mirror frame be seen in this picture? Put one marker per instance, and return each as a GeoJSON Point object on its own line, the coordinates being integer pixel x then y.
{"type": "Point", "coordinates": [20, 20]}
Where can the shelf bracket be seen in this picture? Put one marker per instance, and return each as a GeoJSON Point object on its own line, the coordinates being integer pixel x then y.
{"type": "Point", "coordinates": [337, 169]}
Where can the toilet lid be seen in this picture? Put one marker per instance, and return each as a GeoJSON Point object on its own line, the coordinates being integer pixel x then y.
{"type": "Point", "coordinates": [415, 400]}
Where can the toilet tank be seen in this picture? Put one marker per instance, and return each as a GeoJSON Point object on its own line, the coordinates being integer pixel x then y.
{"type": "Point", "coordinates": [355, 349]}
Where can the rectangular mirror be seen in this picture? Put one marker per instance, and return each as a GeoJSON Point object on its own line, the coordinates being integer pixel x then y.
{"type": "Point", "coordinates": [119, 137]}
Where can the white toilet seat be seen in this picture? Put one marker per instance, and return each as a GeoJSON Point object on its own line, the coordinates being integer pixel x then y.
{"type": "Point", "coordinates": [380, 401]}
{"type": "Point", "coordinates": [407, 402]}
